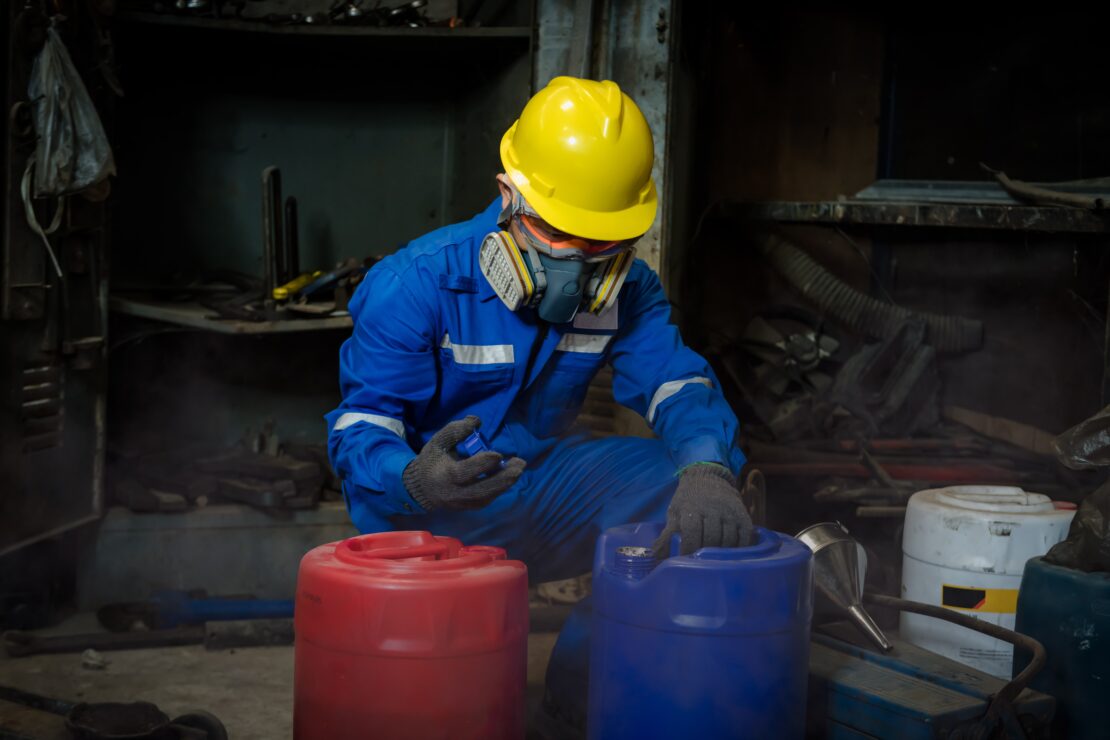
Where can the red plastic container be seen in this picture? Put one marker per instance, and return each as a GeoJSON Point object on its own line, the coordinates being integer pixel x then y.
{"type": "Point", "coordinates": [408, 635]}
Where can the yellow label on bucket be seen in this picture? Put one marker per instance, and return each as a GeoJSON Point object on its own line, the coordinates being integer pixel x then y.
{"type": "Point", "coordinates": [970, 599]}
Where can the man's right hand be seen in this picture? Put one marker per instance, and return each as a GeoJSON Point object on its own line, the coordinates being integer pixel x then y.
{"type": "Point", "coordinates": [437, 479]}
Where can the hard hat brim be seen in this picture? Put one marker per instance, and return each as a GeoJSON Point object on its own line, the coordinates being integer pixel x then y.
{"type": "Point", "coordinates": [629, 223]}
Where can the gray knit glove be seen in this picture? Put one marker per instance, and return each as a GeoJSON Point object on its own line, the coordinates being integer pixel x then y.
{"type": "Point", "coordinates": [437, 479]}
{"type": "Point", "coordinates": [706, 509]}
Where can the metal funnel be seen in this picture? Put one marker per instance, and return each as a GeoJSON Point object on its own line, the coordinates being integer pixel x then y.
{"type": "Point", "coordinates": [839, 566]}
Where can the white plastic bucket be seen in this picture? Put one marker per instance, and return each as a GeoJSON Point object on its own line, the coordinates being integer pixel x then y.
{"type": "Point", "coordinates": [965, 548]}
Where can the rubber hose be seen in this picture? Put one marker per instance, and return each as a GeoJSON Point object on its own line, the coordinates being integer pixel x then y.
{"type": "Point", "coordinates": [1017, 684]}
{"type": "Point", "coordinates": [860, 311]}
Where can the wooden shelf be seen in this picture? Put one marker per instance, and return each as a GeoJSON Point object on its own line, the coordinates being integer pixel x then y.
{"type": "Point", "coordinates": [305, 29]}
{"type": "Point", "coordinates": [199, 317]}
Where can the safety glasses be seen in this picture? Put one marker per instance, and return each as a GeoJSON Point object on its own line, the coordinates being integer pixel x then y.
{"type": "Point", "coordinates": [559, 243]}
{"type": "Point", "coordinates": [551, 241]}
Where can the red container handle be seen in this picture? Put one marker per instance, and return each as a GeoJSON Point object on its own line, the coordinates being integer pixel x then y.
{"type": "Point", "coordinates": [408, 550]}
{"type": "Point", "coordinates": [436, 549]}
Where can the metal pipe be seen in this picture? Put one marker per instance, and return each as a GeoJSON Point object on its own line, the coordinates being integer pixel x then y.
{"type": "Point", "coordinates": [986, 473]}
{"type": "Point", "coordinates": [291, 246]}
{"type": "Point", "coordinates": [1043, 196]}
{"type": "Point", "coordinates": [271, 232]}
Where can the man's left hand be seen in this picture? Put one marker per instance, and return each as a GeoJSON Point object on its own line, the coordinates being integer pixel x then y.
{"type": "Point", "coordinates": [707, 511]}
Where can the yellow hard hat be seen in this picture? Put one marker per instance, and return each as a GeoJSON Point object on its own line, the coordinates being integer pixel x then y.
{"type": "Point", "coordinates": [581, 155]}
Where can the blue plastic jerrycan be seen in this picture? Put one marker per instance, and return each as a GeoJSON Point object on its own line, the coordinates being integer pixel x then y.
{"type": "Point", "coordinates": [709, 645]}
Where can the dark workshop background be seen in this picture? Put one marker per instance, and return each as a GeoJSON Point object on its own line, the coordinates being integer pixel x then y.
{"type": "Point", "coordinates": [816, 106]}
{"type": "Point", "coordinates": [808, 106]}
{"type": "Point", "coordinates": [378, 142]}
{"type": "Point", "coordinates": [381, 143]}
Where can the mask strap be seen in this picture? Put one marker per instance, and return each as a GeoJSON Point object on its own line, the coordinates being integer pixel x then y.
{"type": "Point", "coordinates": [539, 274]}
{"type": "Point", "coordinates": [607, 282]}
{"type": "Point", "coordinates": [505, 216]}
{"type": "Point", "coordinates": [517, 205]}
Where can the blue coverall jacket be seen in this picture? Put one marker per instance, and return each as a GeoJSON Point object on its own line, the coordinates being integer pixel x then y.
{"type": "Point", "coordinates": [433, 343]}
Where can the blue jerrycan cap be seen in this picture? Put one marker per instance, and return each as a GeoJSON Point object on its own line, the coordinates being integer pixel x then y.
{"type": "Point", "coordinates": [636, 561]}
{"type": "Point", "coordinates": [474, 444]}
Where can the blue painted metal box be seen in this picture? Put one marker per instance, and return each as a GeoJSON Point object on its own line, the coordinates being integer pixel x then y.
{"type": "Point", "coordinates": [855, 692]}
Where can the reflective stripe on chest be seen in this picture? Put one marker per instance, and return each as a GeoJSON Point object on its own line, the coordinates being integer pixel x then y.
{"type": "Point", "coordinates": [584, 343]}
{"type": "Point", "coordinates": [479, 354]}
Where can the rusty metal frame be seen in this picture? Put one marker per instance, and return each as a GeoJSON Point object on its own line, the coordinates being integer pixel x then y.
{"type": "Point", "coordinates": [994, 216]}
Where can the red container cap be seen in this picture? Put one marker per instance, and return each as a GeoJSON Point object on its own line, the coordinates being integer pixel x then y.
{"type": "Point", "coordinates": [414, 552]}
{"type": "Point", "coordinates": [412, 594]}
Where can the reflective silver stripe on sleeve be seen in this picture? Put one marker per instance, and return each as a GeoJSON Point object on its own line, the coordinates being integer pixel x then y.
{"type": "Point", "coordinates": [585, 343]}
{"type": "Point", "coordinates": [394, 425]}
{"type": "Point", "coordinates": [668, 389]}
{"type": "Point", "coordinates": [479, 354]}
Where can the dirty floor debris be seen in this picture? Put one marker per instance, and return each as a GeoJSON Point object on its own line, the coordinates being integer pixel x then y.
{"type": "Point", "coordinates": [249, 689]}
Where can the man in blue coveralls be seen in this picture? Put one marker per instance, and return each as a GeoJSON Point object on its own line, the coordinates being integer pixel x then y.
{"type": "Point", "coordinates": [498, 324]}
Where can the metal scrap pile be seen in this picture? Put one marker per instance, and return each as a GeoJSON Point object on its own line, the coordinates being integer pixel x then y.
{"type": "Point", "coordinates": [860, 423]}
{"type": "Point", "coordinates": [259, 471]}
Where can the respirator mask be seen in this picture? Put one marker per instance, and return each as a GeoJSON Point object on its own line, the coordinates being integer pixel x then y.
{"type": "Point", "coordinates": [553, 272]}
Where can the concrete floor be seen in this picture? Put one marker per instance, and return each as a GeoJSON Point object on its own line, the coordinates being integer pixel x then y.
{"type": "Point", "coordinates": [249, 689]}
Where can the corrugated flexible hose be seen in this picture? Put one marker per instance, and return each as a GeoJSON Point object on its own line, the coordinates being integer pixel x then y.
{"type": "Point", "coordinates": [860, 311]}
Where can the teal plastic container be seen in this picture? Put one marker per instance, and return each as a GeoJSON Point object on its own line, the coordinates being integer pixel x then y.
{"type": "Point", "coordinates": [1068, 611]}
